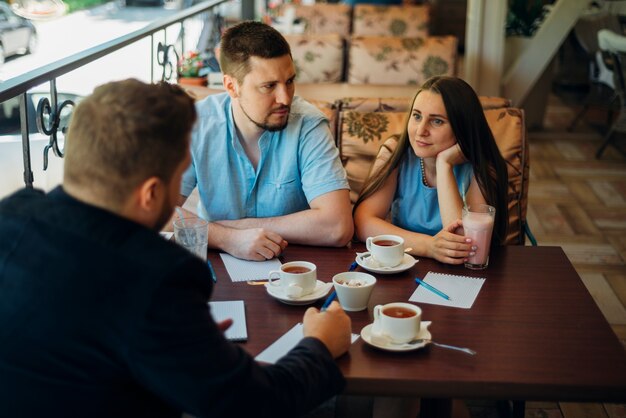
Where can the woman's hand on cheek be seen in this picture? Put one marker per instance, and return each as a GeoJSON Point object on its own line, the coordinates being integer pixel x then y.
{"type": "Point", "coordinates": [452, 156]}
{"type": "Point", "coordinates": [450, 248]}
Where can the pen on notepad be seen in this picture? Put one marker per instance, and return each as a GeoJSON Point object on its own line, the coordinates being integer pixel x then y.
{"type": "Point", "coordinates": [333, 295]}
{"type": "Point", "coordinates": [213, 276]}
{"type": "Point", "coordinates": [432, 289]}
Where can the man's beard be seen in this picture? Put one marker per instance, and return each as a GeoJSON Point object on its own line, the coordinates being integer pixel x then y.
{"type": "Point", "coordinates": [265, 124]}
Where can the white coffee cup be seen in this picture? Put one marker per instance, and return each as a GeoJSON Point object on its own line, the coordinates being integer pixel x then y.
{"type": "Point", "coordinates": [354, 289]}
{"type": "Point", "coordinates": [387, 250]}
{"type": "Point", "coordinates": [398, 322]}
{"type": "Point", "coordinates": [297, 278]}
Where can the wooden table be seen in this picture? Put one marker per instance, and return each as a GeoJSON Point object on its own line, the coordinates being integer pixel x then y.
{"type": "Point", "coordinates": [538, 333]}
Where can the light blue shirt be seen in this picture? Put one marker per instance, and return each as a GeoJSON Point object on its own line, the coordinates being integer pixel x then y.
{"type": "Point", "coordinates": [296, 165]}
{"type": "Point", "coordinates": [415, 207]}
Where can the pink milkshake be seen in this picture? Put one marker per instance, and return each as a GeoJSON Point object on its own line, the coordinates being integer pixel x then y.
{"type": "Point", "coordinates": [478, 225]}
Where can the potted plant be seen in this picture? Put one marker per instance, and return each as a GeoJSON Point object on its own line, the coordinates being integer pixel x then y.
{"type": "Point", "coordinates": [192, 69]}
{"type": "Point", "coordinates": [525, 17]}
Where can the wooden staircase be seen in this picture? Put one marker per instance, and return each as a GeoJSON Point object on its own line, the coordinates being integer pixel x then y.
{"type": "Point", "coordinates": [486, 47]}
{"type": "Point", "coordinates": [519, 79]}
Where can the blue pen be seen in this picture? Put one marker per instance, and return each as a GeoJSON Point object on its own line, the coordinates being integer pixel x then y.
{"type": "Point", "coordinates": [333, 295]}
{"type": "Point", "coordinates": [213, 276]}
{"type": "Point", "coordinates": [328, 301]}
{"type": "Point", "coordinates": [432, 289]}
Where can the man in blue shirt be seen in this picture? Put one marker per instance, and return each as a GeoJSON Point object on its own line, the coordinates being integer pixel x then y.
{"type": "Point", "coordinates": [264, 162]}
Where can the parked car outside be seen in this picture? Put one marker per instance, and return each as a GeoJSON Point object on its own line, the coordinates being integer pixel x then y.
{"type": "Point", "coordinates": [17, 35]}
{"type": "Point", "coordinates": [10, 112]}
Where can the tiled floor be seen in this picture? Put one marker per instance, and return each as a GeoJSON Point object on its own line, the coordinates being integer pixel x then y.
{"type": "Point", "coordinates": [579, 203]}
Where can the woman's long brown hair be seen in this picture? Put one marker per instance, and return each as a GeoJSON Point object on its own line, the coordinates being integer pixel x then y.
{"type": "Point", "coordinates": [477, 143]}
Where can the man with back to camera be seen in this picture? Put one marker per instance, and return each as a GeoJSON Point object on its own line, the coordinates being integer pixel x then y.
{"type": "Point", "coordinates": [101, 317]}
{"type": "Point", "coordinates": [264, 162]}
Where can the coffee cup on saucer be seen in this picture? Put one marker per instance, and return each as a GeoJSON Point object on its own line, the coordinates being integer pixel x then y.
{"type": "Point", "coordinates": [297, 278]}
{"type": "Point", "coordinates": [386, 250]}
{"type": "Point", "coordinates": [397, 322]}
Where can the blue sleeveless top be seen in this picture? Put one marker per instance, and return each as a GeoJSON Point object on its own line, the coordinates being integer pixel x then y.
{"type": "Point", "coordinates": [415, 207]}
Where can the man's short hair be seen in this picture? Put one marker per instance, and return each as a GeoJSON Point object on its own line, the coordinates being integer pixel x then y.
{"type": "Point", "coordinates": [124, 133]}
{"type": "Point", "coordinates": [249, 39]}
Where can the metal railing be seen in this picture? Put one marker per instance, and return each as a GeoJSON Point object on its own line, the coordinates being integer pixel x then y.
{"type": "Point", "coordinates": [49, 111]}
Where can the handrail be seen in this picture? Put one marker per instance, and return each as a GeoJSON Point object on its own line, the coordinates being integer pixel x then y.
{"type": "Point", "coordinates": [24, 82]}
{"type": "Point", "coordinates": [20, 85]}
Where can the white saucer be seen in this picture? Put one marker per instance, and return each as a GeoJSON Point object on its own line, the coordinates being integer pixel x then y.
{"type": "Point", "coordinates": [366, 334]}
{"type": "Point", "coordinates": [321, 289]}
{"type": "Point", "coordinates": [365, 260]}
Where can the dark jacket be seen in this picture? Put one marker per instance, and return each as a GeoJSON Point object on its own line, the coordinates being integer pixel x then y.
{"type": "Point", "coordinates": [101, 317]}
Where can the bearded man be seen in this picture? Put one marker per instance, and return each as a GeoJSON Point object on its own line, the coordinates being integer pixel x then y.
{"type": "Point", "coordinates": [264, 161]}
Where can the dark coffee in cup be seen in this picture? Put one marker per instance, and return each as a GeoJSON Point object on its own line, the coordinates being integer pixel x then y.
{"type": "Point", "coordinates": [399, 312]}
{"type": "Point", "coordinates": [296, 269]}
{"type": "Point", "coordinates": [386, 243]}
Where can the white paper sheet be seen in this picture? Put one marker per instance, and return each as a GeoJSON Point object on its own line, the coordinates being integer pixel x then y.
{"type": "Point", "coordinates": [462, 290]}
{"type": "Point", "coordinates": [286, 342]}
{"type": "Point", "coordinates": [235, 310]}
{"type": "Point", "coordinates": [244, 270]}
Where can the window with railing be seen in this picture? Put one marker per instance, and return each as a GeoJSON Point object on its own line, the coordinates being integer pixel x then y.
{"type": "Point", "coordinates": [35, 106]}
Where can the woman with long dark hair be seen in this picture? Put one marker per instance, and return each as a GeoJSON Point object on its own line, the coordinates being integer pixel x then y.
{"type": "Point", "coordinates": [445, 158]}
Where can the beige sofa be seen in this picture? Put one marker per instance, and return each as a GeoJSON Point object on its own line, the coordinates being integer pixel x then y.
{"type": "Point", "coordinates": [386, 60]}
{"type": "Point", "coordinates": [368, 44]}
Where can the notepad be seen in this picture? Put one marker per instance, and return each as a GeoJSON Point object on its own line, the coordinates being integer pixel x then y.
{"type": "Point", "coordinates": [286, 342]}
{"type": "Point", "coordinates": [235, 310]}
{"type": "Point", "coordinates": [244, 270]}
{"type": "Point", "coordinates": [463, 290]}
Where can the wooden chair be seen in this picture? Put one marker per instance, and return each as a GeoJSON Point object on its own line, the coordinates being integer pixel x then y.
{"type": "Point", "coordinates": [615, 45]}
{"type": "Point", "coordinates": [601, 83]}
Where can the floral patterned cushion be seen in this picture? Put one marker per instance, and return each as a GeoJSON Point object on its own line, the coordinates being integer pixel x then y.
{"type": "Point", "coordinates": [379, 20]}
{"type": "Point", "coordinates": [395, 60]}
{"type": "Point", "coordinates": [321, 18]}
{"type": "Point", "coordinates": [330, 110]}
{"type": "Point", "coordinates": [361, 135]}
{"type": "Point", "coordinates": [318, 58]}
